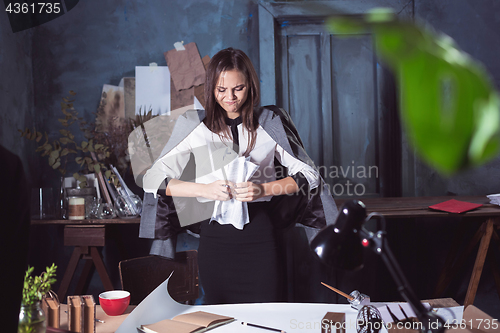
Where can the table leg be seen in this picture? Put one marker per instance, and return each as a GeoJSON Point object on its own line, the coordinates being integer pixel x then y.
{"type": "Point", "coordinates": [478, 265]}
{"type": "Point", "coordinates": [84, 278]}
{"type": "Point", "coordinates": [451, 268]}
{"type": "Point", "coordinates": [70, 271]}
{"type": "Point", "coordinates": [101, 269]}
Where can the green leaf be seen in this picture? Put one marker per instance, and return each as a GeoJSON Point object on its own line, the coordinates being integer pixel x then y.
{"type": "Point", "coordinates": [97, 168]}
{"type": "Point", "coordinates": [64, 141]}
{"type": "Point", "coordinates": [57, 164]}
{"type": "Point", "coordinates": [107, 174]}
{"type": "Point", "coordinates": [54, 154]}
{"type": "Point", "coordinates": [449, 108]}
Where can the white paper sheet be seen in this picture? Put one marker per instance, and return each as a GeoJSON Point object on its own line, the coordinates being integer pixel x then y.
{"type": "Point", "coordinates": [290, 317]}
{"type": "Point", "coordinates": [152, 89]}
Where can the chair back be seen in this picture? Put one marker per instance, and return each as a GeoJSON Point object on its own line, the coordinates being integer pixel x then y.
{"type": "Point", "coordinates": [140, 276]}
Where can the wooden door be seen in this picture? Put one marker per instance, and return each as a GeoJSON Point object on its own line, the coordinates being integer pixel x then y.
{"type": "Point", "coordinates": [343, 102]}
{"type": "Point", "coordinates": [340, 97]}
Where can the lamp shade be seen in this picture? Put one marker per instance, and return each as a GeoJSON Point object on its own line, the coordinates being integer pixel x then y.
{"type": "Point", "coordinates": [339, 244]}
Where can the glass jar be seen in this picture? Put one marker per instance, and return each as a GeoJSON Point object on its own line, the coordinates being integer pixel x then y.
{"type": "Point", "coordinates": [105, 211]}
{"type": "Point", "coordinates": [32, 319]}
{"type": "Point", "coordinates": [128, 206]}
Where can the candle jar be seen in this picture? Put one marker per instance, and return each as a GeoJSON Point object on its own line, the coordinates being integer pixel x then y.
{"type": "Point", "coordinates": [76, 208]}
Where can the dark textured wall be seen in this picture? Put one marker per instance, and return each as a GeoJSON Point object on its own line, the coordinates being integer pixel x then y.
{"type": "Point", "coordinates": [99, 42]}
{"type": "Point", "coordinates": [16, 90]}
{"type": "Point", "coordinates": [475, 27]}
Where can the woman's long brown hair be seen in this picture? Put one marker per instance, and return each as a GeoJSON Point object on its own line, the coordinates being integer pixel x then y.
{"type": "Point", "coordinates": [227, 60]}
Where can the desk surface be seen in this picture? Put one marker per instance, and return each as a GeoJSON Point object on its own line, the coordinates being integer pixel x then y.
{"type": "Point", "coordinates": [390, 207]}
{"type": "Point", "coordinates": [411, 207]}
{"type": "Point", "coordinates": [135, 220]}
{"type": "Point", "coordinates": [109, 324]}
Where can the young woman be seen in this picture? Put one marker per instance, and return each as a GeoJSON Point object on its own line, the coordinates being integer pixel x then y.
{"type": "Point", "coordinates": [237, 255]}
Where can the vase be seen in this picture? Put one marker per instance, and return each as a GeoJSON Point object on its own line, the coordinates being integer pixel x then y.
{"type": "Point", "coordinates": [32, 319]}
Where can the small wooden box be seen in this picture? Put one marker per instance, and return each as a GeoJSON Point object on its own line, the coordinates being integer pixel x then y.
{"type": "Point", "coordinates": [81, 314]}
{"type": "Point", "coordinates": [333, 322]}
{"type": "Point", "coordinates": [50, 306]}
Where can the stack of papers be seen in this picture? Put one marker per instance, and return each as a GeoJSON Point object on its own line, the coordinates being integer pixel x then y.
{"type": "Point", "coordinates": [494, 198]}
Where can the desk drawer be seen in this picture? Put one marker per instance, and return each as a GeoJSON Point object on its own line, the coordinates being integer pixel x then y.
{"type": "Point", "coordinates": [85, 235]}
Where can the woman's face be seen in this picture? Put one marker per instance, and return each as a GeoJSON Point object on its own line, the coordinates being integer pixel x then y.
{"type": "Point", "coordinates": [231, 92]}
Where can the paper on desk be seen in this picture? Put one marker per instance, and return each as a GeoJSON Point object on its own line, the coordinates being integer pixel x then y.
{"type": "Point", "coordinates": [494, 198]}
{"type": "Point", "coordinates": [396, 310]}
{"type": "Point", "coordinates": [156, 306]}
{"type": "Point", "coordinates": [452, 315]}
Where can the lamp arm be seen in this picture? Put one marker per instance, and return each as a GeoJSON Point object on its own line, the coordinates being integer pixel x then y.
{"type": "Point", "coordinates": [378, 244]}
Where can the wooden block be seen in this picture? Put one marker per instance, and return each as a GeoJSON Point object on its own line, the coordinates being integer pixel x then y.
{"type": "Point", "coordinates": [85, 235]}
{"type": "Point", "coordinates": [89, 314]}
{"type": "Point", "coordinates": [53, 313]}
{"type": "Point", "coordinates": [75, 314]}
{"type": "Point", "coordinates": [333, 322]}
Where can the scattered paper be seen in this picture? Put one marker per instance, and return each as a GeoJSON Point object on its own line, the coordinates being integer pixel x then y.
{"type": "Point", "coordinates": [494, 198]}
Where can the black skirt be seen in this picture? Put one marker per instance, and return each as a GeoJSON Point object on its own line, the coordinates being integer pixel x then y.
{"type": "Point", "coordinates": [240, 266]}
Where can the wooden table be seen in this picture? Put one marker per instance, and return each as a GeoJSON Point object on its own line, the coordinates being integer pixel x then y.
{"type": "Point", "coordinates": [109, 324]}
{"type": "Point", "coordinates": [417, 207]}
{"type": "Point", "coordinates": [86, 236]}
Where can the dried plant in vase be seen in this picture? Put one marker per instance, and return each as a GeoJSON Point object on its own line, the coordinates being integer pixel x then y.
{"type": "Point", "coordinates": [92, 154]}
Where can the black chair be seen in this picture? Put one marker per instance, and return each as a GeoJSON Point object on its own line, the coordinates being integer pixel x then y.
{"type": "Point", "coordinates": [140, 276]}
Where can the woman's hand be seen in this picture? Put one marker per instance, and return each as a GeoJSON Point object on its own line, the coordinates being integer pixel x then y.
{"type": "Point", "coordinates": [248, 191]}
{"type": "Point", "coordinates": [218, 190]}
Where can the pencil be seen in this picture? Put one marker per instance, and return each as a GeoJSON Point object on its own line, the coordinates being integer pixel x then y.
{"type": "Point", "coordinates": [263, 327]}
{"type": "Point", "coordinates": [349, 297]}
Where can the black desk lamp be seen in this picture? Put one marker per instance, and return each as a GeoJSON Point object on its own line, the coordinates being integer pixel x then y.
{"type": "Point", "coordinates": [341, 246]}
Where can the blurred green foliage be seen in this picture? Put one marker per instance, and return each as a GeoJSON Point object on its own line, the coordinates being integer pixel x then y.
{"type": "Point", "coordinates": [449, 107]}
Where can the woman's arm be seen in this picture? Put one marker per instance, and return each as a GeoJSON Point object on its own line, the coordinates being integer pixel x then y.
{"type": "Point", "coordinates": [213, 191]}
{"type": "Point", "coordinates": [248, 191]}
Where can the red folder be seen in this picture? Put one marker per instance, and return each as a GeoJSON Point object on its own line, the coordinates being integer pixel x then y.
{"type": "Point", "coordinates": [455, 206]}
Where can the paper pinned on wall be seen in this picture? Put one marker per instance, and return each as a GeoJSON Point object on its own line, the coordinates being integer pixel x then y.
{"type": "Point", "coordinates": [186, 67]}
{"type": "Point", "coordinates": [152, 90]}
{"type": "Point", "coordinates": [128, 85]}
{"type": "Point", "coordinates": [111, 111]}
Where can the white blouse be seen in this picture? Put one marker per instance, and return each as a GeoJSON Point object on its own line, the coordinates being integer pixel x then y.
{"type": "Point", "coordinates": [211, 153]}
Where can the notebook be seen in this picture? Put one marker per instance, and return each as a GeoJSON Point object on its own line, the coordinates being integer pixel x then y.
{"type": "Point", "coordinates": [194, 322]}
{"type": "Point", "coordinates": [455, 206]}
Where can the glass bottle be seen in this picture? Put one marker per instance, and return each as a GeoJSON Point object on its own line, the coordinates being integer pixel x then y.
{"type": "Point", "coordinates": [63, 213]}
{"type": "Point", "coordinates": [32, 319]}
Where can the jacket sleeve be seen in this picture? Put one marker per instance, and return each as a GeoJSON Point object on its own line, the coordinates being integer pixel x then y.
{"type": "Point", "coordinates": [313, 206]}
